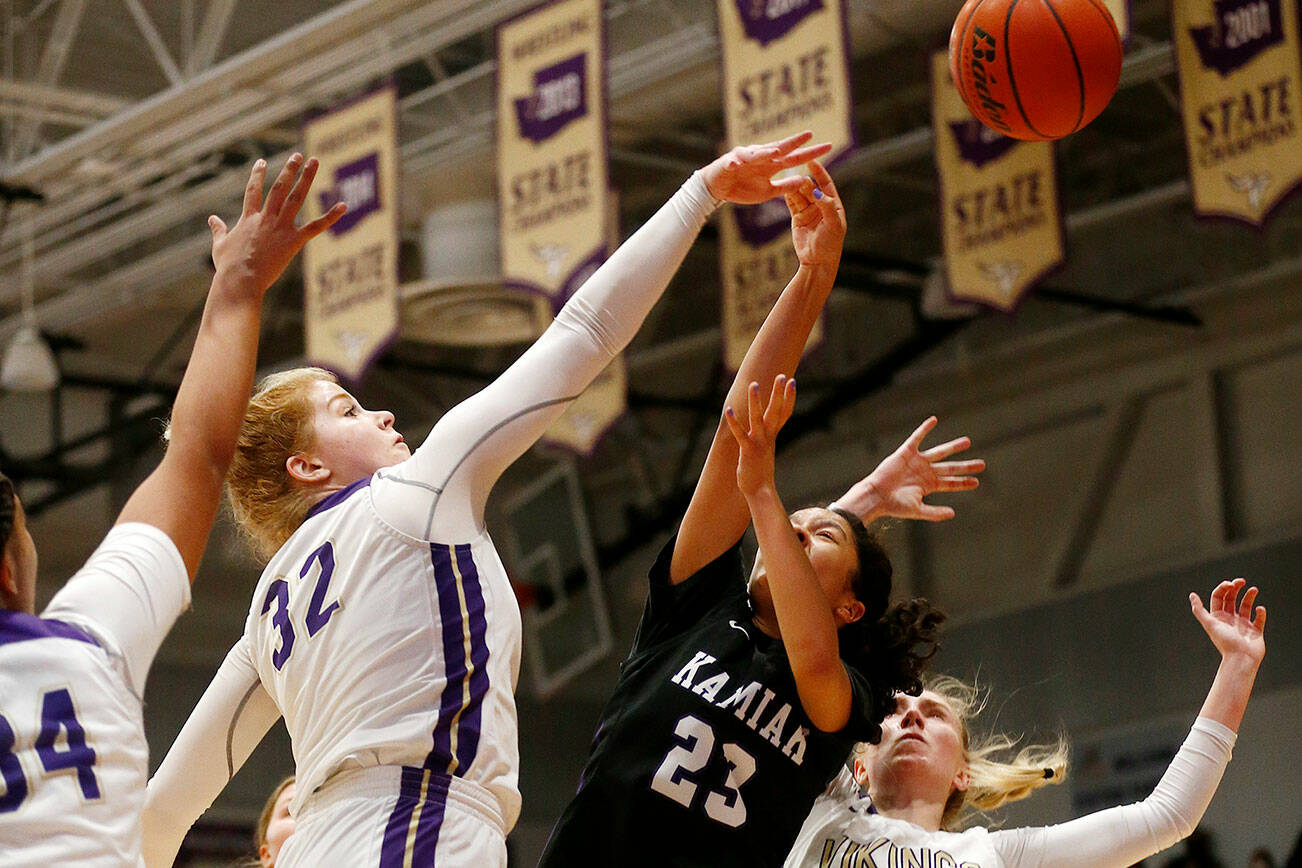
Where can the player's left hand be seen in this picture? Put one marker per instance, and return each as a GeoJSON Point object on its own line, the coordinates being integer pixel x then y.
{"type": "Point", "coordinates": [1234, 628]}
{"type": "Point", "coordinates": [756, 443]}
{"type": "Point", "coordinates": [898, 485]}
{"type": "Point", "coordinates": [744, 175]}
{"type": "Point", "coordinates": [265, 239]}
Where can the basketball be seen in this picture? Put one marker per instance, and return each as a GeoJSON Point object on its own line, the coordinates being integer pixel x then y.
{"type": "Point", "coordinates": [1035, 70]}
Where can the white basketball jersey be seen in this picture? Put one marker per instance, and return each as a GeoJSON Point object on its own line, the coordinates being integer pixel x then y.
{"type": "Point", "coordinates": [73, 758]}
{"type": "Point", "coordinates": [852, 836]}
{"type": "Point", "coordinates": [380, 648]}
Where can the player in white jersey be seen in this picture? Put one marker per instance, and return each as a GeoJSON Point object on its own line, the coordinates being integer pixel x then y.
{"type": "Point", "coordinates": [384, 628]}
{"type": "Point", "coordinates": [926, 771]}
{"type": "Point", "coordinates": [73, 758]}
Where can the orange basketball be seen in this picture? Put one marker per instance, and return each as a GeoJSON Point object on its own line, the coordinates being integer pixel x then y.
{"type": "Point", "coordinates": [1035, 69]}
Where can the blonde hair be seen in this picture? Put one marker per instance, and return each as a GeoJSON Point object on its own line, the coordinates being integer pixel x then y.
{"type": "Point", "coordinates": [264, 819]}
{"type": "Point", "coordinates": [993, 781]}
{"type": "Point", "coordinates": [268, 505]}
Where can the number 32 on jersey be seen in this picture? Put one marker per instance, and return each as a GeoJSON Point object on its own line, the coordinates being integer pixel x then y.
{"type": "Point", "coordinates": [318, 613]}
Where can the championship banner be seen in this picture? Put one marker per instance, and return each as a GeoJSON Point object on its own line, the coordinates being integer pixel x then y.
{"type": "Point", "coordinates": [551, 147]}
{"type": "Point", "coordinates": [999, 202]}
{"type": "Point", "coordinates": [351, 270]}
{"type": "Point", "coordinates": [758, 260]}
{"type": "Point", "coordinates": [785, 70]}
{"type": "Point", "coordinates": [1120, 10]}
{"type": "Point", "coordinates": [1241, 97]}
{"type": "Point", "coordinates": [604, 401]}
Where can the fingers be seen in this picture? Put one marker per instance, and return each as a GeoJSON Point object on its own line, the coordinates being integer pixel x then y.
{"type": "Point", "coordinates": [1259, 621]}
{"type": "Point", "coordinates": [920, 433]}
{"type": "Point", "coordinates": [322, 223]}
{"type": "Point", "coordinates": [1200, 612]}
{"type": "Point", "coordinates": [927, 512]}
{"type": "Point", "coordinates": [280, 189]}
{"type": "Point", "coordinates": [738, 433]}
{"type": "Point", "coordinates": [773, 412]}
{"type": "Point", "coordinates": [958, 468]}
{"type": "Point", "coordinates": [218, 228]}
{"type": "Point", "coordinates": [822, 178]}
{"type": "Point", "coordinates": [957, 483]}
{"type": "Point", "coordinates": [782, 401]}
{"type": "Point", "coordinates": [793, 184]}
{"type": "Point", "coordinates": [1245, 607]}
{"type": "Point", "coordinates": [790, 143]}
{"type": "Point", "coordinates": [1225, 595]}
{"type": "Point", "coordinates": [298, 194]}
{"type": "Point", "coordinates": [803, 155]}
{"type": "Point", "coordinates": [944, 450]}
{"type": "Point", "coordinates": [253, 191]}
{"type": "Point", "coordinates": [753, 405]}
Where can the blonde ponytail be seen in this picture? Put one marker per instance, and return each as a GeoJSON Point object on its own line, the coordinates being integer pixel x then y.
{"type": "Point", "coordinates": [993, 781]}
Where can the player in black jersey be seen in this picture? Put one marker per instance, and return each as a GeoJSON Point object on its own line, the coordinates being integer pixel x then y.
{"type": "Point", "coordinates": [739, 703]}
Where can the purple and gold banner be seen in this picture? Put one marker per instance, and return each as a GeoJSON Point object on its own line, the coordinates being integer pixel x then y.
{"type": "Point", "coordinates": [1241, 97]}
{"type": "Point", "coordinates": [351, 271]}
{"type": "Point", "coordinates": [551, 147]}
{"type": "Point", "coordinates": [605, 400]}
{"type": "Point", "coordinates": [785, 70]}
{"type": "Point", "coordinates": [758, 260]}
{"type": "Point", "coordinates": [999, 202]}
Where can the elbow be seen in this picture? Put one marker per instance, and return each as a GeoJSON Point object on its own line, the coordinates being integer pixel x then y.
{"type": "Point", "coordinates": [825, 693]}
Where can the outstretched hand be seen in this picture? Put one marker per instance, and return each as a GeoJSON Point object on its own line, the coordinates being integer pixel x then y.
{"type": "Point", "coordinates": [1233, 626]}
{"type": "Point", "coordinates": [756, 444]}
{"type": "Point", "coordinates": [898, 485]}
{"type": "Point", "coordinates": [817, 218]}
{"type": "Point", "coordinates": [265, 239]}
{"type": "Point", "coordinates": [744, 175]}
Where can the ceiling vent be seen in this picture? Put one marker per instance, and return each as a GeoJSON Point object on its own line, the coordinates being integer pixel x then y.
{"type": "Point", "coordinates": [461, 302]}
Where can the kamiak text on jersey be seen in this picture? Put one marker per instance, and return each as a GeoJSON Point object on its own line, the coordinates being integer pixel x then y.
{"type": "Point", "coordinates": [747, 702]}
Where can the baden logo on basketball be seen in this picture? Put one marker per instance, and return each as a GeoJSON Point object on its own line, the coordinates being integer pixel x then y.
{"type": "Point", "coordinates": [1035, 70]}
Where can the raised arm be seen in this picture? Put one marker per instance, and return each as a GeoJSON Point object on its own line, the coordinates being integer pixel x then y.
{"type": "Point", "coordinates": [1122, 836]}
{"type": "Point", "coordinates": [897, 486]}
{"type": "Point", "coordinates": [717, 515]}
{"type": "Point", "coordinates": [802, 607]}
{"type": "Point", "coordinates": [233, 715]}
{"type": "Point", "coordinates": [476, 441]}
{"type": "Point", "coordinates": [181, 496]}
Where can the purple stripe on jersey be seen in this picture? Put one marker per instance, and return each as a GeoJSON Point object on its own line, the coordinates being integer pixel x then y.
{"type": "Point", "coordinates": [394, 844]}
{"type": "Point", "coordinates": [20, 627]}
{"type": "Point", "coordinates": [472, 715]}
{"type": "Point", "coordinates": [425, 845]}
{"type": "Point", "coordinates": [337, 498]}
{"type": "Point", "coordinates": [456, 736]}
{"type": "Point", "coordinates": [454, 655]}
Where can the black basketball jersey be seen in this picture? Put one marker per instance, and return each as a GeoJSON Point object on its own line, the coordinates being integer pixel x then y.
{"type": "Point", "coordinates": [704, 755]}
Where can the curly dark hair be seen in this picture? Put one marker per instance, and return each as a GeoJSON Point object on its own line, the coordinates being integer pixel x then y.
{"type": "Point", "coordinates": [891, 645]}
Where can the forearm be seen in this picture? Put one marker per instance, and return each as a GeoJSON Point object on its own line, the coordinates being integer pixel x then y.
{"type": "Point", "coordinates": [214, 391]}
{"type": "Point", "coordinates": [231, 718]}
{"type": "Point", "coordinates": [717, 515]}
{"type": "Point", "coordinates": [1228, 697]}
{"type": "Point", "coordinates": [1122, 836]}
{"type": "Point", "coordinates": [803, 612]}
